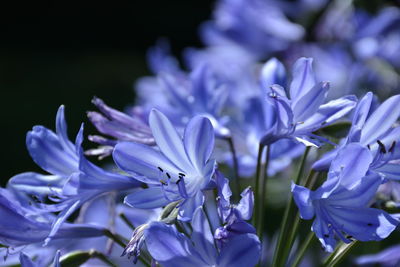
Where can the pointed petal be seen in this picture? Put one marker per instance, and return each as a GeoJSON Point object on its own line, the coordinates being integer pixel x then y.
{"type": "Point", "coordinates": [328, 113]}
{"type": "Point", "coordinates": [362, 110]}
{"type": "Point", "coordinates": [241, 250]}
{"type": "Point", "coordinates": [303, 78]}
{"type": "Point", "coordinates": [36, 184]}
{"type": "Point", "coordinates": [381, 120]}
{"type": "Point", "coordinates": [142, 160]}
{"type": "Point", "coordinates": [26, 261]}
{"type": "Point", "coordinates": [202, 237]}
{"type": "Point", "coordinates": [189, 206]}
{"type": "Point", "coordinates": [48, 152]}
{"type": "Point", "coordinates": [246, 204]}
{"type": "Point", "coordinates": [351, 164]}
{"type": "Point", "coordinates": [301, 196]}
{"type": "Point", "coordinates": [306, 105]}
{"type": "Point", "coordinates": [148, 198]}
{"type": "Point", "coordinates": [171, 248]}
{"type": "Point", "coordinates": [272, 72]}
{"type": "Point", "coordinates": [199, 141]}
{"type": "Point", "coordinates": [61, 130]}
{"type": "Point", "coordinates": [325, 161]}
{"type": "Point", "coordinates": [168, 140]}
{"type": "Point", "coordinates": [364, 224]}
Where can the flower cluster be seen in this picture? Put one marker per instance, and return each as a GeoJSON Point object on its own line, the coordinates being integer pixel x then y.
{"type": "Point", "coordinates": [197, 137]}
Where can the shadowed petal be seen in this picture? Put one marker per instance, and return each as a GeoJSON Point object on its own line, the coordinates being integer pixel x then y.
{"type": "Point", "coordinates": [301, 196]}
{"type": "Point", "coordinates": [241, 250]}
{"type": "Point", "coordinates": [148, 198]}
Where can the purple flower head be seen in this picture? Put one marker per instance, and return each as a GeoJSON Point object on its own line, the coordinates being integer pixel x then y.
{"type": "Point", "coordinates": [119, 125]}
{"type": "Point", "coordinates": [171, 248]}
{"type": "Point", "coordinates": [298, 116]}
{"type": "Point", "coordinates": [179, 171]}
{"type": "Point", "coordinates": [73, 180]}
{"type": "Point", "coordinates": [376, 130]}
{"type": "Point", "coordinates": [340, 205]}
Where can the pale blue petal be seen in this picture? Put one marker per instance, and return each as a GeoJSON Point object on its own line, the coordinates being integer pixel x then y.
{"type": "Point", "coordinates": [143, 161]}
{"type": "Point", "coordinates": [168, 140]}
{"type": "Point", "coordinates": [246, 204]}
{"type": "Point", "coordinates": [36, 184]}
{"type": "Point", "coordinates": [26, 261]}
{"type": "Point", "coordinates": [61, 130]}
{"type": "Point", "coordinates": [187, 209]}
{"type": "Point", "coordinates": [272, 72]}
{"type": "Point", "coordinates": [199, 141]}
{"type": "Point", "coordinates": [306, 105]}
{"type": "Point", "coordinates": [202, 237]}
{"type": "Point", "coordinates": [381, 120]}
{"type": "Point", "coordinates": [351, 164]}
{"type": "Point", "coordinates": [148, 198]}
{"type": "Point", "coordinates": [239, 251]}
{"type": "Point", "coordinates": [171, 248]}
{"type": "Point", "coordinates": [390, 171]}
{"type": "Point", "coordinates": [301, 196]}
{"type": "Point", "coordinates": [303, 78]}
{"type": "Point", "coordinates": [362, 110]}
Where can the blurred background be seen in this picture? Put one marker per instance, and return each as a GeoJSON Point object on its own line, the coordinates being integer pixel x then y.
{"type": "Point", "coordinates": [57, 52]}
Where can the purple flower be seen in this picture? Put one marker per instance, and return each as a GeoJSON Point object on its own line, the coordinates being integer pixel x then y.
{"type": "Point", "coordinates": [178, 172]}
{"type": "Point", "coordinates": [304, 112]}
{"type": "Point", "coordinates": [340, 204]}
{"type": "Point", "coordinates": [171, 248]}
{"type": "Point", "coordinates": [27, 262]}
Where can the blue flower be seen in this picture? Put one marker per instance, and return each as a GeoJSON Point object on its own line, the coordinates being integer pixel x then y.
{"type": "Point", "coordinates": [304, 112]}
{"type": "Point", "coordinates": [171, 248]}
{"type": "Point", "coordinates": [27, 262]}
{"type": "Point", "coordinates": [340, 204]}
{"type": "Point", "coordinates": [73, 180]}
{"type": "Point", "coordinates": [179, 173]}
{"type": "Point", "coordinates": [375, 129]}
{"type": "Point", "coordinates": [19, 226]}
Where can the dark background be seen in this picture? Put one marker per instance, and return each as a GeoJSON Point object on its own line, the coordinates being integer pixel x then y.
{"type": "Point", "coordinates": [57, 52]}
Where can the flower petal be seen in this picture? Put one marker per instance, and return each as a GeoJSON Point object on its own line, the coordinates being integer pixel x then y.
{"type": "Point", "coordinates": [301, 196]}
{"type": "Point", "coordinates": [148, 198]}
{"type": "Point", "coordinates": [202, 237]}
{"type": "Point", "coordinates": [142, 160]}
{"type": "Point", "coordinates": [272, 72]}
{"type": "Point", "coordinates": [241, 250]}
{"type": "Point", "coordinates": [171, 248]}
{"type": "Point", "coordinates": [381, 120]}
{"type": "Point", "coordinates": [303, 78]}
{"type": "Point", "coordinates": [199, 141]}
{"type": "Point", "coordinates": [190, 205]}
{"type": "Point", "coordinates": [168, 140]}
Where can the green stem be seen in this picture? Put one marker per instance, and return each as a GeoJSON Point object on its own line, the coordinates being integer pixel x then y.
{"type": "Point", "coordinates": [264, 178]}
{"type": "Point", "coordinates": [126, 221]}
{"type": "Point", "coordinates": [338, 255]}
{"type": "Point", "coordinates": [236, 181]}
{"type": "Point", "coordinates": [284, 243]}
{"type": "Point", "coordinates": [257, 182]}
{"type": "Point", "coordinates": [115, 238]}
{"type": "Point", "coordinates": [303, 249]}
{"type": "Point", "coordinates": [103, 258]}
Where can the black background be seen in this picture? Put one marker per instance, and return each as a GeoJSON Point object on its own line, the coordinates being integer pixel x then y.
{"type": "Point", "coordinates": [58, 52]}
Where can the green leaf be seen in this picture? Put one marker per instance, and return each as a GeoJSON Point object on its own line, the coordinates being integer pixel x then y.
{"type": "Point", "coordinates": [336, 130]}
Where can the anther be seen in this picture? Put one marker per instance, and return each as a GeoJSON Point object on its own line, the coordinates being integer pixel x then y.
{"type": "Point", "coordinates": [369, 147]}
{"type": "Point", "coordinates": [181, 174]}
{"type": "Point", "coordinates": [163, 182]}
{"type": "Point", "coordinates": [369, 224]}
{"type": "Point", "coordinates": [391, 149]}
{"type": "Point", "coordinates": [382, 146]}
{"type": "Point", "coordinates": [160, 169]}
{"type": "Point", "coordinates": [326, 235]}
{"type": "Point", "coordinates": [169, 176]}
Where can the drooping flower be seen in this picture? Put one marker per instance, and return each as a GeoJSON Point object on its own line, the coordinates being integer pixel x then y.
{"type": "Point", "coordinates": [340, 205]}
{"type": "Point", "coordinates": [301, 111]}
{"type": "Point", "coordinates": [171, 248]}
{"type": "Point", "coordinates": [178, 172]}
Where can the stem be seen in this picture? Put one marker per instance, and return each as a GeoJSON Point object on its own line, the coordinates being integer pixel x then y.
{"type": "Point", "coordinates": [126, 221]}
{"type": "Point", "coordinates": [256, 186]}
{"type": "Point", "coordinates": [235, 165]}
{"type": "Point", "coordinates": [103, 258]}
{"type": "Point", "coordinates": [338, 255]}
{"type": "Point", "coordinates": [115, 238]}
{"type": "Point", "coordinates": [284, 243]}
{"type": "Point", "coordinates": [264, 178]}
{"type": "Point", "coordinates": [303, 249]}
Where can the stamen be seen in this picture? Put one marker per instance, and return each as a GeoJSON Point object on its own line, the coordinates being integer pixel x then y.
{"type": "Point", "coordinates": [160, 169]}
{"type": "Point", "coordinates": [391, 149]}
{"type": "Point", "coordinates": [181, 174]}
{"type": "Point", "coordinates": [382, 146]}
{"type": "Point", "coordinates": [169, 176]}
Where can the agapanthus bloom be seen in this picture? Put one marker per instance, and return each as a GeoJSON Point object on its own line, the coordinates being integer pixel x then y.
{"type": "Point", "coordinates": [340, 205]}
{"type": "Point", "coordinates": [179, 171]}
